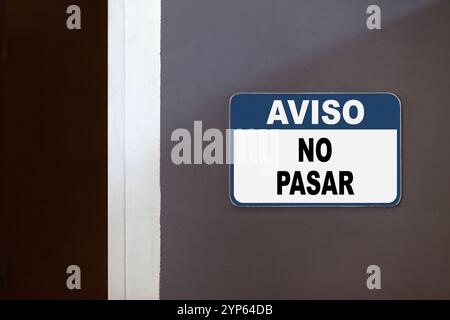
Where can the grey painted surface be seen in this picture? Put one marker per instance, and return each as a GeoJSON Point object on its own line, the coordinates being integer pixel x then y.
{"type": "Point", "coordinates": [212, 49]}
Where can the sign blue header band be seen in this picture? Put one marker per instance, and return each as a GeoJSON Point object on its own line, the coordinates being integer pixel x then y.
{"type": "Point", "coordinates": [252, 110]}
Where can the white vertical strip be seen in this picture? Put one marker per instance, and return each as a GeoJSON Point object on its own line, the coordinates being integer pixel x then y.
{"type": "Point", "coordinates": [142, 148]}
{"type": "Point", "coordinates": [116, 149]}
{"type": "Point", "coordinates": [134, 138]}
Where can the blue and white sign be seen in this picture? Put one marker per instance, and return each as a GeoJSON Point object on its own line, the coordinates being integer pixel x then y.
{"type": "Point", "coordinates": [315, 149]}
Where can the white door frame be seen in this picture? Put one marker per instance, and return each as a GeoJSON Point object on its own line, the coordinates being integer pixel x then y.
{"type": "Point", "coordinates": [134, 199]}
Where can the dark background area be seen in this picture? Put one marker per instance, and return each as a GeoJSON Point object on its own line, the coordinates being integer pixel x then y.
{"type": "Point", "coordinates": [213, 49]}
{"type": "Point", "coordinates": [53, 150]}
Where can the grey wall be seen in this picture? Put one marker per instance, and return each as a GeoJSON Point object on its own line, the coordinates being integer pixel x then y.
{"type": "Point", "coordinates": [212, 49]}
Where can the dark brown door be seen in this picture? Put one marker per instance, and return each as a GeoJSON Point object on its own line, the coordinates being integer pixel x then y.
{"type": "Point", "coordinates": [53, 149]}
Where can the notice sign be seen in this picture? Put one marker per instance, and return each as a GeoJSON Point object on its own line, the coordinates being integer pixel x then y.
{"type": "Point", "coordinates": [315, 149]}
